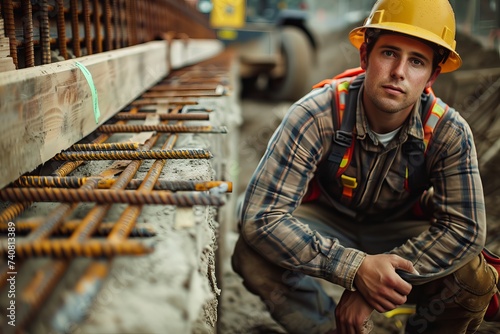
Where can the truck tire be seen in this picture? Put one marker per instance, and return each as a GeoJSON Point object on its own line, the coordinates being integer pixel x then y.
{"type": "Point", "coordinates": [297, 54]}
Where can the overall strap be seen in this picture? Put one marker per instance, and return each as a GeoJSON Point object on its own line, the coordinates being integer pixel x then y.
{"type": "Point", "coordinates": [343, 141]}
{"type": "Point", "coordinates": [432, 111]}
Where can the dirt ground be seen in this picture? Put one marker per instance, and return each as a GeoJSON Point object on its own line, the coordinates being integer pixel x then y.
{"type": "Point", "coordinates": [242, 312]}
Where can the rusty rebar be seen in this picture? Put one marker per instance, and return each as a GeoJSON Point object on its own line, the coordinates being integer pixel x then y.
{"type": "Point", "coordinates": [193, 93]}
{"type": "Point", "coordinates": [60, 249]}
{"type": "Point", "coordinates": [105, 146]}
{"type": "Point", "coordinates": [128, 218]}
{"type": "Point", "coordinates": [108, 31]}
{"type": "Point", "coordinates": [106, 183]}
{"type": "Point", "coordinates": [97, 26]}
{"type": "Point", "coordinates": [165, 87]}
{"type": "Point", "coordinates": [144, 115]}
{"type": "Point", "coordinates": [61, 29]}
{"type": "Point", "coordinates": [86, 26]}
{"type": "Point", "coordinates": [166, 101]}
{"type": "Point", "coordinates": [10, 30]}
{"type": "Point", "coordinates": [40, 287]}
{"type": "Point", "coordinates": [29, 47]}
{"type": "Point", "coordinates": [12, 211]}
{"type": "Point", "coordinates": [26, 226]}
{"type": "Point", "coordinates": [75, 29]}
{"type": "Point", "coordinates": [45, 32]}
{"type": "Point", "coordinates": [172, 128]}
{"type": "Point", "coordinates": [111, 196]}
{"type": "Point", "coordinates": [134, 155]}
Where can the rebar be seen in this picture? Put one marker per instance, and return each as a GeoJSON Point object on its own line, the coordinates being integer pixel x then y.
{"type": "Point", "coordinates": [167, 101]}
{"type": "Point", "coordinates": [105, 146]}
{"type": "Point", "coordinates": [75, 31]}
{"type": "Point", "coordinates": [108, 31]}
{"type": "Point", "coordinates": [144, 115]}
{"type": "Point", "coordinates": [106, 183]}
{"type": "Point", "coordinates": [10, 30]}
{"type": "Point", "coordinates": [113, 128]}
{"type": "Point", "coordinates": [66, 228]}
{"type": "Point", "coordinates": [199, 93]}
{"type": "Point", "coordinates": [61, 30]}
{"type": "Point", "coordinates": [45, 32]}
{"type": "Point", "coordinates": [110, 196]}
{"type": "Point", "coordinates": [134, 155]}
{"type": "Point", "coordinates": [97, 26]}
{"type": "Point", "coordinates": [59, 249]}
{"type": "Point", "coordinates": [38, 290]}
{"type": "Point", "coordinates": [86, 25]}
{"type": "Point", "coordinates": [29, 47]}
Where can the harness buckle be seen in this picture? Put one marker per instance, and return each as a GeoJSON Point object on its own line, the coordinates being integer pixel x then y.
{"type": "Point", "coordinates": [348, 182]}
{"type": "Point", "coordinates": [343, 138]}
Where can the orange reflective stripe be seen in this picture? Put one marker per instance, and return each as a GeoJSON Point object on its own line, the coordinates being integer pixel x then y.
{"type": "Point", "coordinates": [351, 72]}
{"type": "Point", "coordinates": [437, 111]}
{"type": "Point", "coordinates": [346, 159]}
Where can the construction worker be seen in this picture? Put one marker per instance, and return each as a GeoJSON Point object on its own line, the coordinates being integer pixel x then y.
{"type": "Point", "coordinates": [372, 183]}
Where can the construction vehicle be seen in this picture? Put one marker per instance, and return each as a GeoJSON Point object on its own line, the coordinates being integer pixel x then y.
{"type": "Point", "coordinates": [282, 43]}
{"type": "Point", "coordinates": [279, 41]}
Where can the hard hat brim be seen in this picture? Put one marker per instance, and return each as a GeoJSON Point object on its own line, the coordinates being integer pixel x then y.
{"type": "Point", "coordinates": [453, 62]}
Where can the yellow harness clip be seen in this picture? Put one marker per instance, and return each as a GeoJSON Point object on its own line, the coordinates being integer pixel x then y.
{"type": "Point", "coordinates": [349, 184]}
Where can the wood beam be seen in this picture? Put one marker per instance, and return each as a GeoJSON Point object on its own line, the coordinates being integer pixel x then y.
{"type": "Point", "coordinates": [48, 108]}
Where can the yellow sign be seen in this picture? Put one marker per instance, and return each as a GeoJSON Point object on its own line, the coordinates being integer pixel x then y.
{"type": "Point", "coordinates": [228, 14]}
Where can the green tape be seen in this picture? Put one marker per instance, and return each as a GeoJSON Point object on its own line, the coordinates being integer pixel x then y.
{"type": "Point", "coordinates": [93, 90]}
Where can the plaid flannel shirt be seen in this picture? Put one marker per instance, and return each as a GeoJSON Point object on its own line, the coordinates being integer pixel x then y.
{"type": "Point", "coordinates": [294, 156]}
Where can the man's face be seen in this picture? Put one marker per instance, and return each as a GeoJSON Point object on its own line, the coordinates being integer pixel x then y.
{"type": "Point", "coordinates": [397, 71]}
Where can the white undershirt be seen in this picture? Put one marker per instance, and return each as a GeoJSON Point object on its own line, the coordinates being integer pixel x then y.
{"type": "Point", "coordinates": [385, 138]}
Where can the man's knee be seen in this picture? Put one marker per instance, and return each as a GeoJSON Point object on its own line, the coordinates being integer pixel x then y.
{"type": "Point", "coordinates": [477, 282]}
{"type": "Point", "coordinates": [456, 302]}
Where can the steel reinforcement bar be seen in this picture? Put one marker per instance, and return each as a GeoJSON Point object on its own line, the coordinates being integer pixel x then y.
{"type": "Point", "coordinates": [45, 31]}
{"type": "Point", "coordinates": [59, 237]}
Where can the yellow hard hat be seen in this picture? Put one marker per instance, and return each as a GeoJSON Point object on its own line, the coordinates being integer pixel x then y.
{"type": "Point", "coordinates": [430, 20]}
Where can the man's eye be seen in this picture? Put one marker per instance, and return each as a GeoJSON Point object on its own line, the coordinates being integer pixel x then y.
{"type": "Point", "coordinates": [388, 53]}
{"type": "Point", "coordinates": [417, 62]}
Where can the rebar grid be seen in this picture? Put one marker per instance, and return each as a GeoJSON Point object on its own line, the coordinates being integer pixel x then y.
{"type": "Point", "coordinates": [106, 25]}
{"type": "Point", "coordinates": [105, 189]}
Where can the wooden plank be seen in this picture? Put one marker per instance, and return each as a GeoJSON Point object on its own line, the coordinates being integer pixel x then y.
{"type": "Point", "coordinates": [48, 108]}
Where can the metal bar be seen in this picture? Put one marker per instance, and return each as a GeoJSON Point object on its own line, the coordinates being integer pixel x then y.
{"type": "Point", "coordinates": [68, 227]}
{"type": "Point", "coordinates": [105, 147]}
{"type": "Point", "coordinates": [190, 87]}
{"type": "Point", "coordinates": [28, 33]}
{"type": "Point", "coordinates": [108, 31]}
{"type": "Point", "coordinates": [45, 32]}
{"type": "Point", "coordinates": [97, 26]}
{"type": "Point", "coordinates": [75, 29]}
{"type": "Point", "coordinates": [168, 101]}
{"type": "Point", "coordinates": [144, 115]}
{"type": "Point", "coordinates": [10, 29]}
{"type": "Point", "coordinates": [86, 25]}
{"type": "Point", "coordinates": [42, 284]}
{"type": "Point", "coordinates": [175, 128]}
{"type": "Point", "coordinates": [134, 155]}
{"type": "Point", "coordinates": [105, 183]}
{"type": "Point", "coordinates": [110, 196]}
{"type": "Point", "coordinates": [61, 30]}
{"type": "Point", "coordinates": [60, 249]}
{"type": "Point", "coordinates": [201, 93]}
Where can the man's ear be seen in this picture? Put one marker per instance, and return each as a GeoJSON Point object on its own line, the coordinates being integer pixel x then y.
{"type": "Point", "coordinates": [363, 56]}
{"type": "Point", "coordinates": [433, 77]}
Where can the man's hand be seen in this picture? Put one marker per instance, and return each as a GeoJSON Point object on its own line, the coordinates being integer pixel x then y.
{"type": "Point", "coordinates": [352, 314]}
{"type": "Point", "coordinates": [379, 283]}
